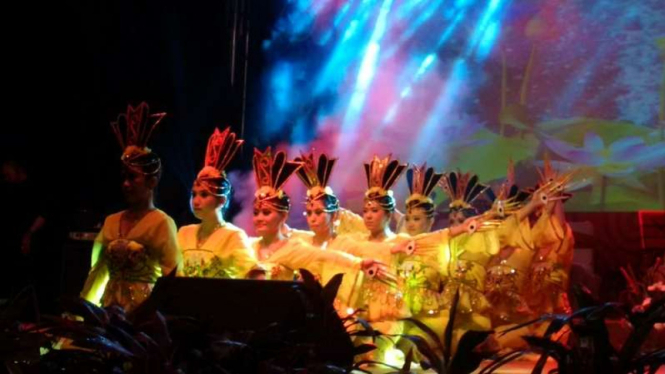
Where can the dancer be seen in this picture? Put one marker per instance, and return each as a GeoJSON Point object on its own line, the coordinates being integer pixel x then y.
{"type": "Point", "coordinates": [215, 248]}
{"type": "Point", "coordinates": [138, 244]}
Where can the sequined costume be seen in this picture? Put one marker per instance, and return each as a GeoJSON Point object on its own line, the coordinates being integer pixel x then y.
{"type": "Point", "coordinates": [468, 256]}
{"type": "Point", "coordinates": [507, 271]}
{"type": "Point", "coordinates": [553, 239]}
{"type": "Point", "coordinates": [227, 253]}
{"type": "Point", "coordinates": [548, 277]}
{"type": "Point", "coordinates": [124, 269]}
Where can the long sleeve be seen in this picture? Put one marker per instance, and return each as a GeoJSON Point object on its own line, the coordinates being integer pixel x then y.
{"type": "Point", "coordinates": [351, 223]}
{"type": "Point", "coordinates": [433, 248]}
{"type": "Point", "coordinates": [241, 254]}
{"type": "Point", "coordinates": [166, 243]}
{"type": "Point", "coordinates": [182, 244]}
{"type": "Point", "coordinates": [515, 235]}
{"type": "Point", "coordinates": [365, 249]}
{"type": "Point", "coordinates": [553, 240]}
{"type": "Point", "coordinates": [298, 255]}
{"type": "Point", "coordinates": [98, 277]}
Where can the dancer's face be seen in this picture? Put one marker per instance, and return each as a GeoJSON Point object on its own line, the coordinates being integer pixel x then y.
{"type": "Point", "coordinates": [267, 221]}
{"type": "Point", "coordinates": [376, 219]}
{"type": "Point", "coordinates": [319, 221]}
{"type": "Point", "coordinates": [136, 186]}
{"type": "Point", "coordinates": [456, 218]}
{"type": "Point", "coordinates": [417, 222]}
{"type": "Point", "coordinates": [204, 204]}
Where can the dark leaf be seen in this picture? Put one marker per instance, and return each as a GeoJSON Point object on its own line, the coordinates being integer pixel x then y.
{"type": "Point", "coordinates": [331, 288]}
{"type": "Point", "coordinates": [651, 360]}
{"type": "Point", "coordinates": [427, 330]}
{"type": "Point", "coordinates": [426, 350]}
{"type": "Point", "coordinates": [364, 348]}
{"type": "Point", "coordinates": [642, 326]}
{"type": "Point", "coordinates": [466, 358]}
{"type": "Point", "coordinates": [366, 325]}
{"type": "Point", "coordinates": [540, 319]}
{"type": "Point", "coordinates": [158, 330]}
{"type": "Point", "coordinates": [556, 350]}
{"type": "Point", "coordinates": [126, 340]}
{"type": "Point", "coordinates": [406, 368]}
{"type": "Point", "coordinates": [555, 326]}
{"type": "Point", "coordinates": [500, 361]}
{"type": "Point", "coordinates": [173, 273]}
{"type": "Point", "coordinates": [540, 364]}
{"type": "Point", "coordinates": [309, 281]}
{"type": "Point", "coordinates": [367, 333]}
{"type": "Point", "coordinates": [91, 313]}
{"type": "Point", "coordinates": [101, 343]}
{"type": "Point", "coordinates": [448, 333]}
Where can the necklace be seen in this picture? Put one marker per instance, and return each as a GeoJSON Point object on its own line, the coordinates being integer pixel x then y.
{"type": "Point", "coordinates": [200, 241]}
{"type": "Point", "coordinates": [266, 251]}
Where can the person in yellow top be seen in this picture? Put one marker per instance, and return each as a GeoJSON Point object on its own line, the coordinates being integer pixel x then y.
{"type": "Point", "coordinates": [383, 302]}
{"type": "Point", "coordinates": [280, 257]}
{"type": "Point", "coordinates": [467, 255]}
{"type": "Point", "coordinates": [215, 248]}
{"type": "Point", "coordinates": [324, 218]}
{"type": "Point", "coordinates": [507, 270]}
{"type": "Point", "coordinates": [137, 245]}
{"type": "Point", "coordinates": [422, 273]}
{"type": "Point", "coordinates": [548, 277]}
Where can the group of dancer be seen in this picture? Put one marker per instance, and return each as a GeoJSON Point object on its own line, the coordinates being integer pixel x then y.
{"type": "Point", "coordinates": [508, 264]}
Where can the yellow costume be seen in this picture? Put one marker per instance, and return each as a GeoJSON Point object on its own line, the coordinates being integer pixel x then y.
{"type": "Point", "coordinates": [550, 269]}
{"type": "Point", "coordinates": [124, 269]}
{"type": "Point", "coordinates": [283, 264]}
{"type": "Point", "coordinates": [227, 253]}
{"type": "Point", "coordinates": [508, 270]}
{"type": "Point", "coordinates": [554, 243]}
{"type": "Point", "coordinates": [351, 224]}
{"type": "Point", "coordinates": [468, 255]}
{"type": "Point", "coordinates": [422, 272]}
{"type": "Point", "coordinates": [315, 174]}
{"type": "Point", "coordinates": [384, 303]}
{"type": "Point", "coordinates": [466, 271]}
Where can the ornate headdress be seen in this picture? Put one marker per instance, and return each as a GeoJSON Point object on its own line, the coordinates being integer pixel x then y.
{"type": "Point", "coordinates": [510, 197]}
{"type": "Point", "coordinates": [222, 146]}
{"type": "Point", "coordinates": [381, 175]}
{"type": "Point", "coordinates": [138, 124]}
{"type": "Point", "coordinates": [316, 176]}
{"type": "Point", "coordinates": [462, 189]}
{"type": "Point", "coordinates": [271, 173]}
{"type": "Point", "coordinates": [551, 182]}
{"type": "Point", "coordinates": [421, 181]}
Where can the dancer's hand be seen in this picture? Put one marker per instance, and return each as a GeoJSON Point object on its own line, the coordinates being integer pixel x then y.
{"type": "Point", "coordinates": [471, 225]}
{"type": "Point", "coordinates": [377, 269]}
